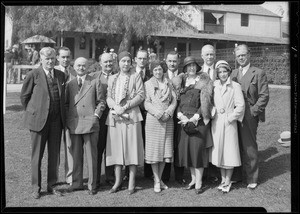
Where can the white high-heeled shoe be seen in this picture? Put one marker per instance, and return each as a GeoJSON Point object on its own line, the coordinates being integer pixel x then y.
{"type": "Point", "coordinates": [157, 187]}
{"type": "Point", "coordinates": [220, 187]}
{"type": "Point", "coordinates": [163, 185]}
{"type": "Point", "coordinates": [226, 188]}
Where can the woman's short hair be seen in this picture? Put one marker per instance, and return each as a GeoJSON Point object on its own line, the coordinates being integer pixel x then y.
{"type": "Point", "coordinates": [156, 63]}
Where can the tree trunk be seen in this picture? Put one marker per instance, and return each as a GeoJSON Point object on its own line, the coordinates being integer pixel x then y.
{"type": "Point", "coordinates": [126, 42]}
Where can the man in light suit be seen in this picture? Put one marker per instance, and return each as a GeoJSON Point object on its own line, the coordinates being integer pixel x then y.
{"type": "Point", "coordinates": [172, 62]}
{"type": "Point", "coordinates": [63, 58]}
{"type": "Point", "coordinates": [208, 54]}
{"type": "Point", "coordinates": [84, 107]}
{"type": "Point", "coordinates": [43, 98]}
{"type": "Point", "coordinates": [256, 93]}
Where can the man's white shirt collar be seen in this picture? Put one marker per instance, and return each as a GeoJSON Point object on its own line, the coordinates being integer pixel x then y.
{"type": "Point", "coordinates": [141, 71]}
{"type": "Point", "coordinates": [47, 71]}
{"type": "Point", "coordinates": [174, 74]}
{"type": "Point", "coordinates": [245, 69]}
{"type": "Point", "coordinates": [82, 78]}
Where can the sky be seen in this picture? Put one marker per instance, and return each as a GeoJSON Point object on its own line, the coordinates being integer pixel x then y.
{"type": "Point", "coordinates": [274, 6]}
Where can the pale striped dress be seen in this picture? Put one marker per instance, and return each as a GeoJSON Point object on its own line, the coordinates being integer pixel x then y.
{"type": "Point", "coordinates": [160, 98]}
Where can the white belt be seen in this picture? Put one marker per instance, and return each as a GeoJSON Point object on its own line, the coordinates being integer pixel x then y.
{"type": "Point", "coordinates": [222, 111]}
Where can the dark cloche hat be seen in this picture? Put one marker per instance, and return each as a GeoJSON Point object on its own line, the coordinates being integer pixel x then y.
{"type": "Point", "coordinates": [188, 60]}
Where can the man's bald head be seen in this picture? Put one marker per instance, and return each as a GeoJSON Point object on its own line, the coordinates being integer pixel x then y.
{"type": "Point", "coordinates": [80, 65]}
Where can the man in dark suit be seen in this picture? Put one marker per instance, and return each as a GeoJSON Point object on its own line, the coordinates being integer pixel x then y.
{"type": "Point", "coordinates": [256, 93]}
{"type": "Point", "coordinates": [43, 98]}
{"type": "Point", "coordinates": [63, 58]}
{"type": "Point", "coordinates": [106, 64]}
{"type": "Point", "coordinates": [172, 62]}
{"type": "Point", "coordinates": [142, 68]}
{"type": "Point", "coordinates": [208, 54]}
{"type": "Point", "coordinates": [84, 107]}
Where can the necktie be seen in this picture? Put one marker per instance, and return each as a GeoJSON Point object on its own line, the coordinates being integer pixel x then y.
{"type": "Point", "coordinates": [79, 83]}
{"type": "Point", "coordinates": [240, 75]}
{"type": "Point", "coordinates": [208, 72]}
{"type": "Point", "coordinates": [50, 76]}
{"type": "Point", "coordinates": [142, 74]}
{"type": "Point", "coordinates": [66, 71]}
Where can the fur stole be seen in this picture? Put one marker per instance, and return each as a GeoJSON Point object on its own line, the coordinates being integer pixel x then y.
{"type": "Point", "coordinates": [205, 84]}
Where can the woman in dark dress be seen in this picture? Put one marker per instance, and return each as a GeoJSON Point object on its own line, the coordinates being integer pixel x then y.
{"type": "Point", "coordinates": [194, 114]}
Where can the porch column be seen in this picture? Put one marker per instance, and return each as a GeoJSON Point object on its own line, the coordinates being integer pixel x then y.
{"type": "Point", "coordinates": [61, 38]}
{"type": "Point", "coordinates": [93, 47]}
{"type": "Point", "coordinates": [187, 48]}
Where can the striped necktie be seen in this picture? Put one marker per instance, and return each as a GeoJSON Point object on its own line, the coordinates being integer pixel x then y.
{"type": "Point", "coordinates": [50, 75]}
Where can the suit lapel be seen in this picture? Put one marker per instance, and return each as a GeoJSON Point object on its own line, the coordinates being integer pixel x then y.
{"type": "Point", "coordinates": [72, 73]}
{"type": "Point", "coordinates": [248, 77]}
{"type": "Point", "coordinates": [43, 79]}
{"type": "Point", "coordinates": [84, 89]}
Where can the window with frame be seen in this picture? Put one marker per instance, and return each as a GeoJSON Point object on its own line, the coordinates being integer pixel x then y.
{"type": "Point", "coordinates": [245, 20]}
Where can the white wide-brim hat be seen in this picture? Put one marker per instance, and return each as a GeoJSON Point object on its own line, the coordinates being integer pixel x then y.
{"type": "Point", "coordinates": [285, 139]}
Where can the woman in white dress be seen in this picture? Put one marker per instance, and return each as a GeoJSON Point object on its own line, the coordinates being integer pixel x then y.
{"type": "Point", "coordinates": [124, 135]}
{"type": "Point", "coordinates": [160, 104]}
{"type": "Point", "coordinates": [230, 106]}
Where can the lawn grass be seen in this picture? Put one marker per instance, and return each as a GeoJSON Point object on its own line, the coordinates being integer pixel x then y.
{"type": "Point", "coordinates": [273, 192]}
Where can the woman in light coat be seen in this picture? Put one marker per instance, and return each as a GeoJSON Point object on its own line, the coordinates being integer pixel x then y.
{"type": "Point", "coordinates": [124, 135]}
{"type": "Point", "coordinates": [229, 107]}
{"type": "Point", "coordinates": [160, 104]}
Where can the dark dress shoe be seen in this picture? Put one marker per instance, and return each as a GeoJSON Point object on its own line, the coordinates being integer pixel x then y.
{"type": "Point", "coordinates": [36, 195]}
{"type": "Point", "coordinates": [114, 190]}
{"type": "Point", "coordinates": [54, 192]}
{"type": "Point", "coordinates": [199, 191]}
{"type": "Point", "coordinates": [73, 189]}
{"type": "Point", "coordinates": [92, 192]}
{"type": "Point", "coordinates": [189, 187]}
{"type": "Point", "coordinates": [181, 181]}
{"type": "Point", "coordinates": [111, 183]}
{"type": "Point", "coordinates": [165, 180]}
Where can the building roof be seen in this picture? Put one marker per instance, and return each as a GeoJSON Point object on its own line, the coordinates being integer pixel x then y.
{"type": "Point", "coordinates": [229, 37]}
{"type": "Point", "coordinates": [241, 8]}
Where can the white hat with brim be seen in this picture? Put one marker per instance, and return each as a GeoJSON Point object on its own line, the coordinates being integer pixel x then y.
{"type": "Point", "coordinates": [285, 139]}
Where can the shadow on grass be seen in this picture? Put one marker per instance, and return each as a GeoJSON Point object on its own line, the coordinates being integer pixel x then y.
{"type": "Point", "coordinates": [272, 167]}
{"type": "Point", "coordinates": [14, 108]}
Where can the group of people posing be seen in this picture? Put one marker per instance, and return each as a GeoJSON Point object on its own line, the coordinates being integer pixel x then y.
{"type": "Point", "coordinates": [150, 115]}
